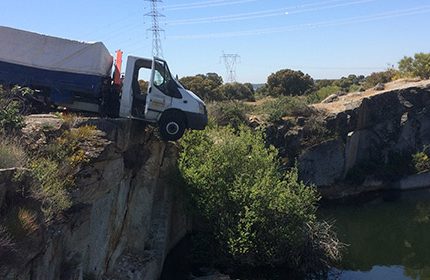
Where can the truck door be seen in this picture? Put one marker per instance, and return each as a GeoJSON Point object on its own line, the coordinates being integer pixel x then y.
{"type": "Point", "coordinates": [158, 99]}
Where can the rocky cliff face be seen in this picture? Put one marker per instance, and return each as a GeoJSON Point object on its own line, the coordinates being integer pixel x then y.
{"type": "Point", "coordinates": [373, 129]}
{"type": "Point", "coordinates": [126, 213]}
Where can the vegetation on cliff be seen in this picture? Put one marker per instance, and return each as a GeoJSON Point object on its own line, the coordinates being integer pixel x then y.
{"type": "Point", "coordinates": [258, 214]}
{"type": "Point", "coordinates": [46, 158]}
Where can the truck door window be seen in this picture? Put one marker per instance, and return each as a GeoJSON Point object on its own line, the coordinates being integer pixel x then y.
{"type": "Point", "coordinates": [164, 81]}
{"type": "Point", "coordinates": [143, 79]}
{"type": "Point", "coordinates": [141, 76]}
{"type": "Point", "coordinates": [158, 79]}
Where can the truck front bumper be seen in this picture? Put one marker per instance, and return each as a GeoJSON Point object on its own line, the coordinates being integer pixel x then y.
{"type": "Point", "coordinates": [196, 121]}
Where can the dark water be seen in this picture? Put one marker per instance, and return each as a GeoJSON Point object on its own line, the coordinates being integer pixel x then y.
{"type": "Point", "coordinates": [388, 236]}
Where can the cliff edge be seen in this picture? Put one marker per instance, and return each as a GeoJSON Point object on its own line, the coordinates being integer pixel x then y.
{"type": "Point", "coordinates": [125, 212]}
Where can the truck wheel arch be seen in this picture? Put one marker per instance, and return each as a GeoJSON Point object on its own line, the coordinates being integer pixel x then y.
{"type": "Point", "coordinates": [172, 124]}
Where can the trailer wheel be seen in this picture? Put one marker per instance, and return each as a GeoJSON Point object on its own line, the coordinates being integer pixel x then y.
{"type": "Point", "coordinates": [172, 126]}
{"type": "Point", "coordinates": [19, 103]}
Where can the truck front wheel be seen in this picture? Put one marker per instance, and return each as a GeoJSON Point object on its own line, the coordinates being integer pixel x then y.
{"type": "Point", "coordinates": [172, 126]}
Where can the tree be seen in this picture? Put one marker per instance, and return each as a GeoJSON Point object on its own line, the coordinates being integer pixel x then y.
{"type": "Point", "coordinates": [236, 91]}
{"type": "Point", "coordinates": [419, 66]}
{"type": "Point", "coordinates": [323, 83]}
{"type": "Point", "coordinates": [345, 83]}
{"type": "Point", "coordinates": [289, 82]}
{"type": "Point", "coordinates": [205, 86]}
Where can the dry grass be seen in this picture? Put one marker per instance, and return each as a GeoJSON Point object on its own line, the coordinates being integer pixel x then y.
{"type": "Point", "coordinates": [70, 119]}
{"type": "Point", "coordinates": [350, 99]}
{"type": "Point", "coordinates": [12, 154]}
{"type": "Point", "coordinates": [28, 220]}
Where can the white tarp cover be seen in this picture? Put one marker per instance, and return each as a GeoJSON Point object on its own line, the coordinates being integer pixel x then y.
{"type": "Point", "coordinates": [52, 53]}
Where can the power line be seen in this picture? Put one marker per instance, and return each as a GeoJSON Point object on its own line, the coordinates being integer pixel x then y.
{"type": "Point", "coordinates": [266, 13]}
{"type": "Point", "coordinates": [108, 32]}
{"type": "Point", "coordinates": [346, 21]}
{"type": "Point", "coordinates": [155, 29]}
{"type": "Point", "coordinates": [191, 4]}
{"type": "Point", "coordinates": [230, 61]}
{"type": "Point", "coordinates": [207, 4]}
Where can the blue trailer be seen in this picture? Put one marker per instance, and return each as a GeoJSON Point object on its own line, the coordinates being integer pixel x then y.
{"type": "Point", "coordinates": [67, 73]}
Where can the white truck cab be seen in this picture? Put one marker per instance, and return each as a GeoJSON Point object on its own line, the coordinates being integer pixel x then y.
{"type": "Point", "coordinates": [165, 101]}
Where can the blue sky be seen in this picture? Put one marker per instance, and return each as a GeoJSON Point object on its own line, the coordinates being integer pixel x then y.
{"type": "Point", "coordinates": [327, 38]}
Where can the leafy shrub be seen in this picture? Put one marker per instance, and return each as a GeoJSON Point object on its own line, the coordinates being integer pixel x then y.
{"type": "Point", "coordinates": [284, 106]}
{"type": "Point", "coordinates": [257, 214]}
{"type": "Point", "coordinates": [51, 185]}
{"type": "Point", "coordinates": [356, 88]}
{"type": "Point", "coordinates": [11, 153]}
{"type": "Point", "coordinates": [379, 77]}
{"type": "Point", "coordinates": [418, 66]}
{"type": "Point", "coordinates": [323, 93]}
{"type": "Point", "coordinates": [10, 118]}
{"type": "Point", "coordinates": [319, 84]}
{"type": "Point", "coordinates": [315, 131]}
{"type": "Point", "coordinates": [228, 113]}
{"type": "Point", "coordinates": [54, 168]}
{"type": "Point", "coordinates": [12, 105]}
{"type": "Point", "coordinates": [421, 162]}
{"type": "Point", "coordinates": [236, 91]}
{"type": "Point", "coordinates": [345, 83]}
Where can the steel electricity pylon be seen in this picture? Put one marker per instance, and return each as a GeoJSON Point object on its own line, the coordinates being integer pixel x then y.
{"type": "Point", "coordinates": [156, 30]}
{"type": "Point", "coordinates": [230, 61]}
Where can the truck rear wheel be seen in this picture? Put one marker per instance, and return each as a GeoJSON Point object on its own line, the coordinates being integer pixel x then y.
{"type": "Point", "coordinates": [18, 103]}
{"type": "Point", "coordinates": [172, 126]}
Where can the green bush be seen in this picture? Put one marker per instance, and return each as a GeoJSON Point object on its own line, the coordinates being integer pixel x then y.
{"type": "Point", "coordinates": [323, 93]}
{"type": "Point", "coordinates": [421, 162]}
{"type": "Point", "coordinates": [53, 169]}
{"type": "Point", "coordinates": [11, 107]}
{"type": "Point", "coordinates": [379, 77]}
{"type": "Point", "coordinates": [315, 131]}
{"type": "Point", "coordinates": [418, 66]}
{"type": "Point", "coordinates": [257, 214]}
{"type": "Point", "coordinates": [228, 113]}
{"type": "Point", "coordinates": [11, 153]}
{"type": "Point", "coordinates": [10, 119]}
{"type": "Point", "coordinates": [276, 109]}
{"type": "Point", "coordinates": [51, 185]}
{"type": "Point", "coordinates": [345, 83]}
{"type": "Point", "coordinates": [236, 91]}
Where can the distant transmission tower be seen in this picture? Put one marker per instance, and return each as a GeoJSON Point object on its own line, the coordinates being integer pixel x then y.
{"type": "Point", "coordinates": [230, 61]}
{"type": "Point", "coordinates": [155, 28]}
